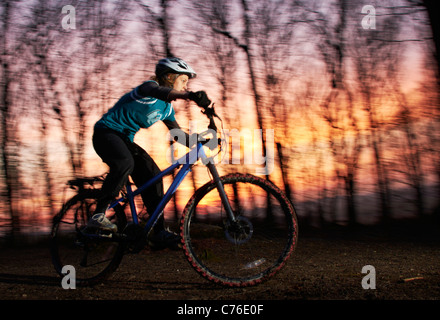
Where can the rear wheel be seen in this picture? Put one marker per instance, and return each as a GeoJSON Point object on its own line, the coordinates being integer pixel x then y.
{"type": "Point", "coordinates": [245, 252]}
{"type": "Point", "coordinates": [94, 256]}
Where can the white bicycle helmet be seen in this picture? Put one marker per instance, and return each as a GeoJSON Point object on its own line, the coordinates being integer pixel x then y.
{"type": "Point", "coordinates": [174, 65]}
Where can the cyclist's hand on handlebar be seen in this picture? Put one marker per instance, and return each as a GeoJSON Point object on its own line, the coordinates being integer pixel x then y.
{"type": "Point", "coordinates": [201, 98]}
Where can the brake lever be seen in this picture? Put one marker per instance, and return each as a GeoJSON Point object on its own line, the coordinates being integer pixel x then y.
{"type": "Point", "coordinates": [209, 112]}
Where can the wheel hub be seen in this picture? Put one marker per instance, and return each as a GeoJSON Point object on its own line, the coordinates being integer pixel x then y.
{"type": "Point", "coordinates": [239, 231]}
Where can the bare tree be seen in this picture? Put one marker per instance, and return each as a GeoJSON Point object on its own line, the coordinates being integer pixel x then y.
{"type": "Point", "coordinates": [39, 40]}
{"type": "Point", "coordinates": [222, 53]}
{"type": "Point", "coordinates": [431, 7]}
{"type": "Point", "coordinates": [98, 33]}
{"type": "Point", "coordinates": [373, 59]}
{"type": "Point", "coordinates": [246, 45]}
{"type": "Point", "coordinates": [274, 38]}
{"type": "Point", "coordinates": [337, 108]}
{"type": "Point", "coordinates": [9, 133]}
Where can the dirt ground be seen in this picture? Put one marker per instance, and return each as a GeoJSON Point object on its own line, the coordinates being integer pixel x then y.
{"type": "Point", "coordinates": [324, 267]}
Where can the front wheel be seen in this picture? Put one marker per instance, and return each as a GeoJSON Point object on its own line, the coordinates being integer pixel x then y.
{"type": "Point", "coordinates": [250, 249]}
{"type": "Point", "coordinates": [94, 257]}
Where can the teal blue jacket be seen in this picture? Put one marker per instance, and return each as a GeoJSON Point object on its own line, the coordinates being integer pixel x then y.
{"type": "Point", "coordinates": [140, 108]}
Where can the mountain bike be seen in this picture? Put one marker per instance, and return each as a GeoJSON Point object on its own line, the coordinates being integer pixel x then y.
{"type": "Point", "coordinates": [236, 230]}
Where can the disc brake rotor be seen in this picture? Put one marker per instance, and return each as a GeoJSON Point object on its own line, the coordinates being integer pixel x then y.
{"type": "Point", "coordinates": [239, 231]}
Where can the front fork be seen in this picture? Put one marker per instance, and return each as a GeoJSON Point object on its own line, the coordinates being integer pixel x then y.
{"type": "Point", "coordinates": [221, 192]}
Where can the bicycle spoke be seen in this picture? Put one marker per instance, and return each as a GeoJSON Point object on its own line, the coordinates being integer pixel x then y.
{"type": "Point", "coordinates": [244, 251]}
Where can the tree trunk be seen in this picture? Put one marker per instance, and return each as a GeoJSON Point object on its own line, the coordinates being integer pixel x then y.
{"type": "Point", "coordinates": [9, 163]}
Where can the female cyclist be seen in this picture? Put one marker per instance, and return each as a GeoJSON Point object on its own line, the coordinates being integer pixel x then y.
{"type": "Point", "coordinates": [114, 133]}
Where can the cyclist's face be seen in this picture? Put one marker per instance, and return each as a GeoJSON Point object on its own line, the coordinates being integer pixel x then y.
{"type": "Point", "coordinates": [181, 83]}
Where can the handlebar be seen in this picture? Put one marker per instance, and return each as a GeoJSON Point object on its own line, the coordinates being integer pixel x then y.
{"type": "Point", "coordinates": [210, 114]}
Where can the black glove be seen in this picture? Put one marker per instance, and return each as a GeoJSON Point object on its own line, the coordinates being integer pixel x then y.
{"type": "Point", "coordinates": [201, 98]}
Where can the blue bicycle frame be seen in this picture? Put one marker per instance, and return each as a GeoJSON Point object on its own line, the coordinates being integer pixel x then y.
{"type": "Point", "coordinates": [187, 161]}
